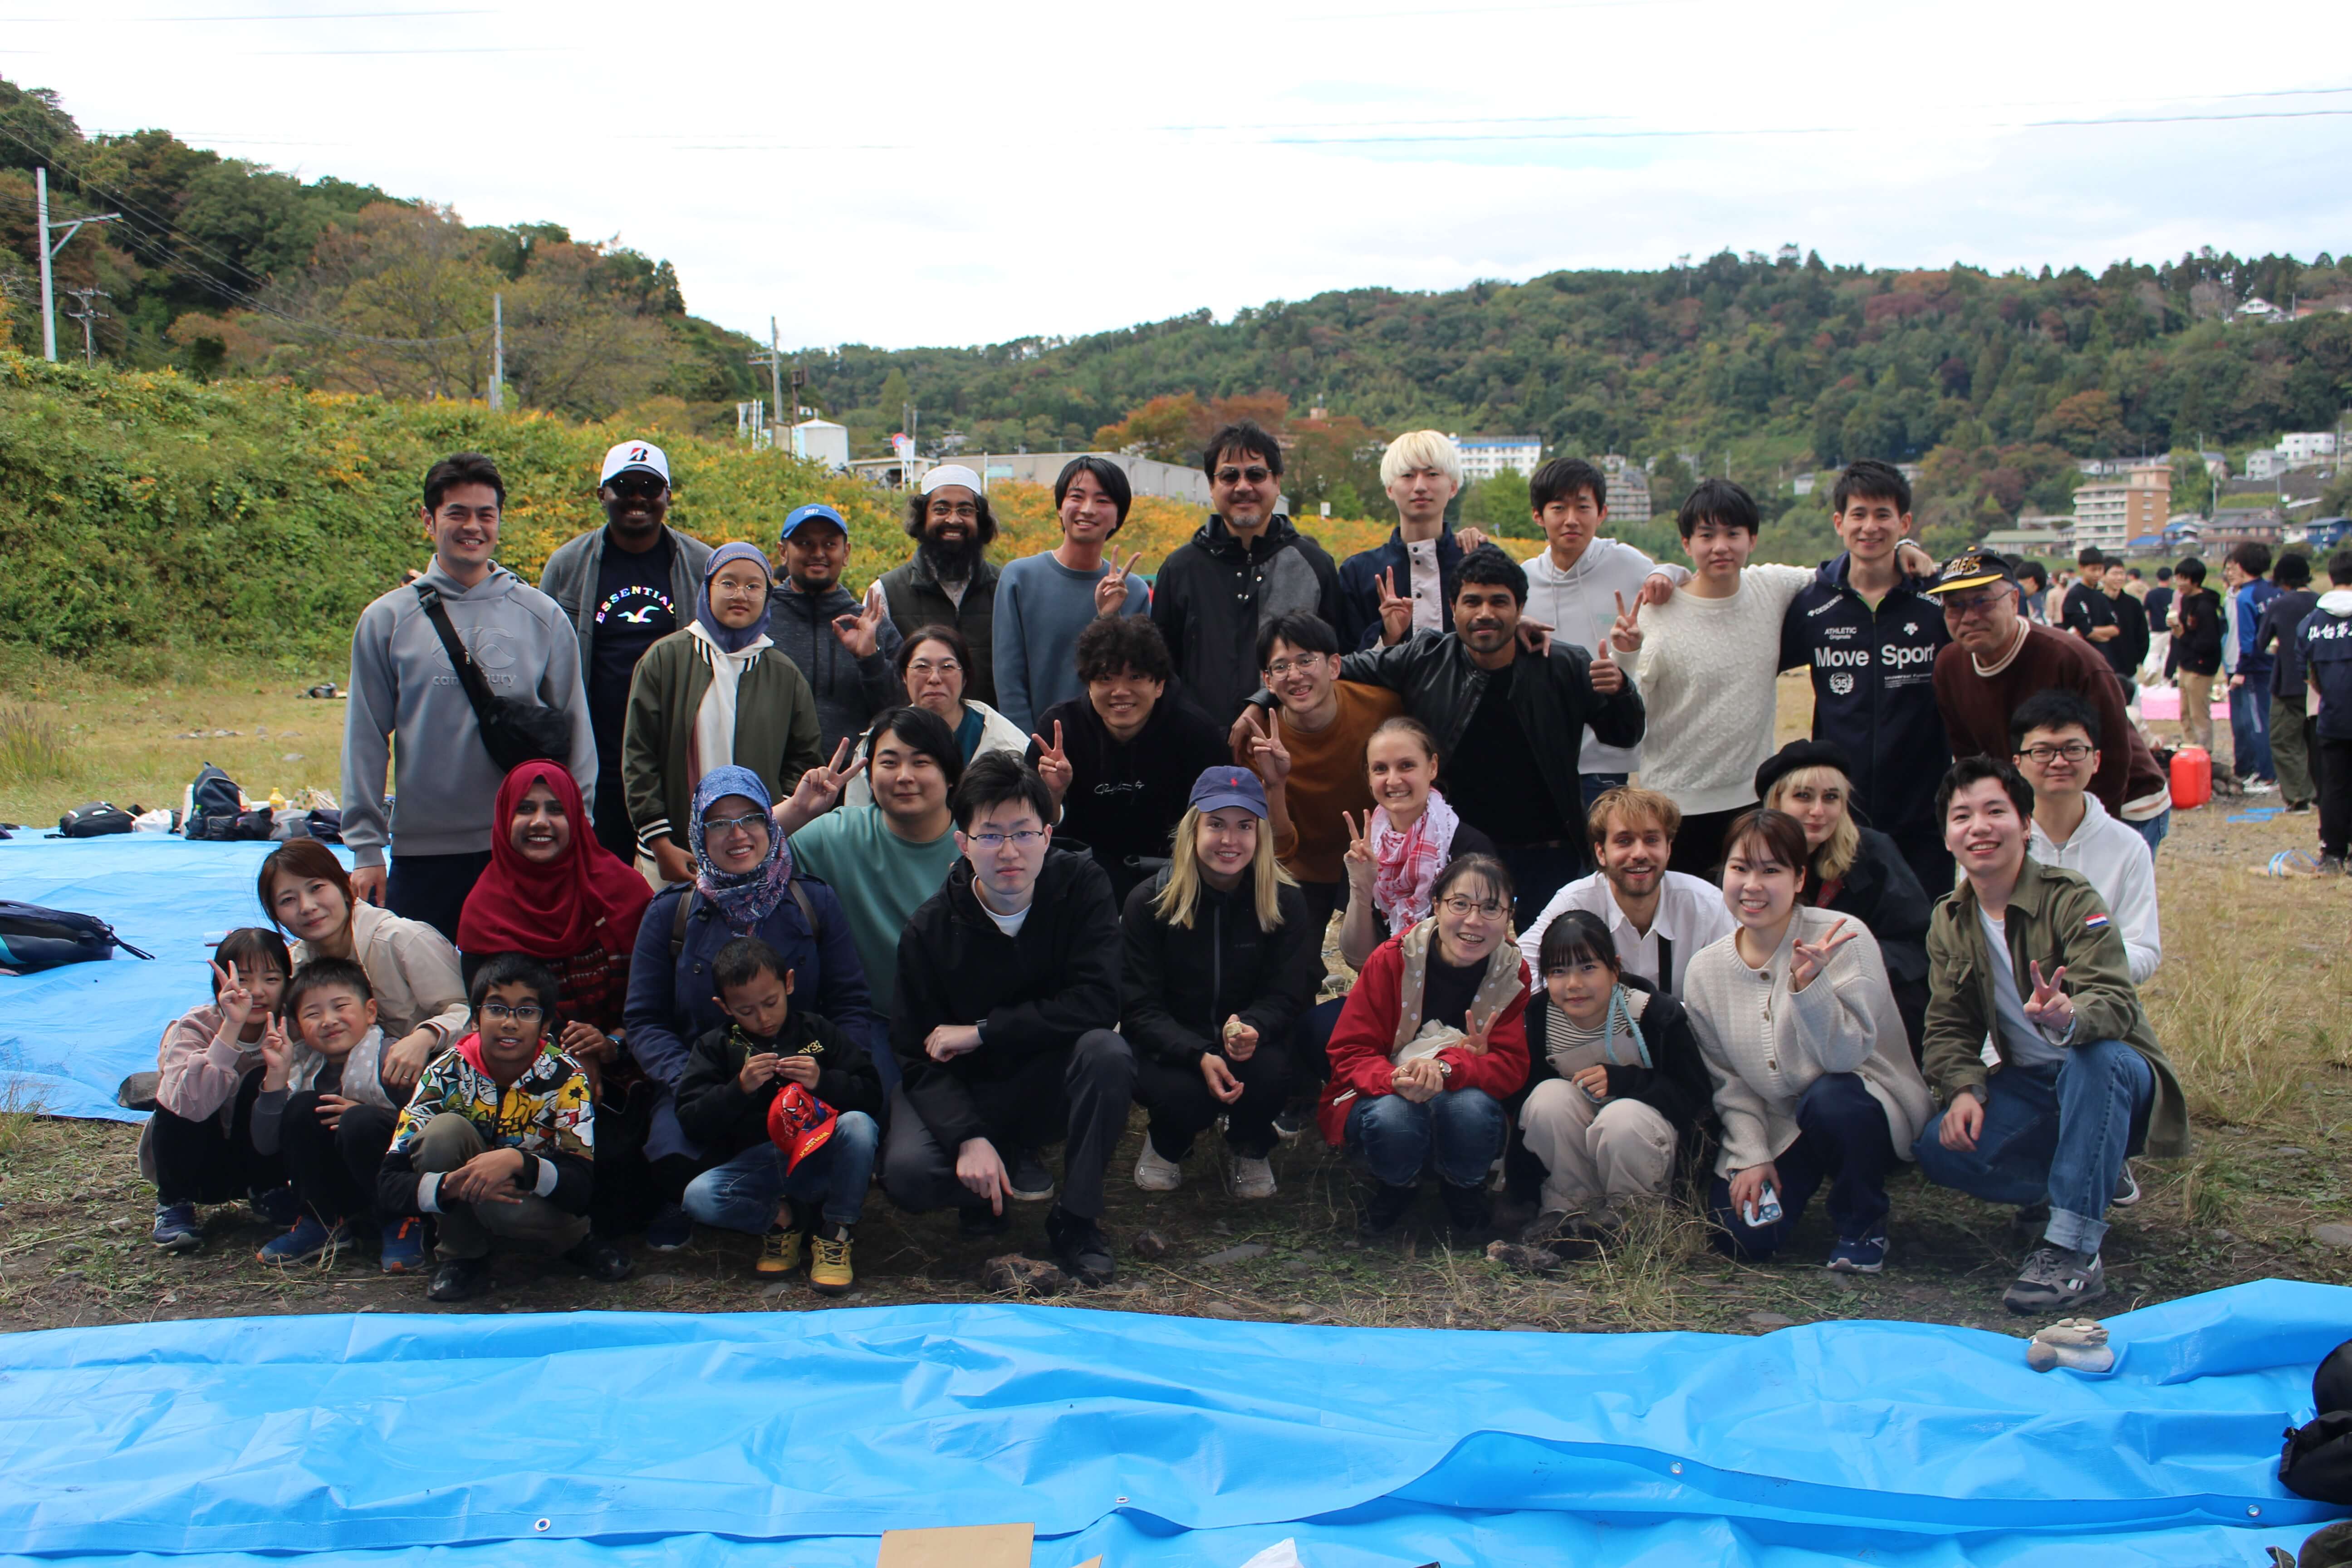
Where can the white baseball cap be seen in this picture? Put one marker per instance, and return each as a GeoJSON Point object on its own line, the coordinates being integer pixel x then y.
{"type": "Point", "coordinates": [634, 456]}
{"type": "Point", "coordinates": [952, 474]}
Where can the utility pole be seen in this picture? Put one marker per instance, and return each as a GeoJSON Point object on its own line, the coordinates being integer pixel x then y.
{"type": "Point", "coordinates": [48, 253]}
{"type": "Point", "coordinates": [773, 358]}
{"type": "Point", "coordinates": [89, 315]}
{"type": "Point", "coordinates": [498, 352]}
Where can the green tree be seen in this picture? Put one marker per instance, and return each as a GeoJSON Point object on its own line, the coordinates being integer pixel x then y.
{"type": "Point", "coordinates": [1499, 505]}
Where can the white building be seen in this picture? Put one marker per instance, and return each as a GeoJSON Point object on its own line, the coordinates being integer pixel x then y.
{"type": "Point", "coordinates": [1628, 489]}
{"type": "Point", "coordinates": [2111, 514]}
{"type": "Point", "coordinates": [1484, 456]}
{"type": "Point", "coordinates": [823, 441]}
{"type": "Point", "coordinates": [1146, 476]}
{"type": "Point", "coordinates": [2305, 448]}
{"type": "Point", "coordinates": [2262, 463]}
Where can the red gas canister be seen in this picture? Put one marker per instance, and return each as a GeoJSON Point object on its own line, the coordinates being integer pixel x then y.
{"type": "Point", "coordinates": [2193, 778]}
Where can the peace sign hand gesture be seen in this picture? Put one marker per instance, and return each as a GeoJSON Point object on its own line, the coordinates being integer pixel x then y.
{"type": "Point", "coordinates": [861, 634]}
{"type": "Point", "coordinates": [277, 1056]}
{"type": "Point", "coordinates": [1110, 593]}
{"type": "Point", "coordinates": [2050, 1009]}
{"type": "Point", "coordinates": [238, 1002]}
{"type": "Point", "coordinates": [1268, 755]}
{"type": "Point", "coordinates": [817, 790]}
{"type": "Point", "coordinates": [1358, 861]}
{"type": "Point", "coordinates": [1626, 632]}
{"type": "Point", "coordinates": [1396, 609]}
{"type": "Point", "coordinates": [1053, 764]}
{"type": "Point", "coordinates": [1812, 957]}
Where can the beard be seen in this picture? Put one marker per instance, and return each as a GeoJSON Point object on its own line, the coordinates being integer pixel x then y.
{"type": "Point", "coordinates": [950, 560]}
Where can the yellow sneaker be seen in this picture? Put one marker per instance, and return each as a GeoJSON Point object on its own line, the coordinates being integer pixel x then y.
{"type": "Point", "coordinates": [780, 1251]}
{"type": "Point", "coordinates": [829, 1271]}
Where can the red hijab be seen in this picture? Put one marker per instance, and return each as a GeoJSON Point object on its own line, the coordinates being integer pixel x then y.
{"type": "Point", "coordinates": [584, 898]}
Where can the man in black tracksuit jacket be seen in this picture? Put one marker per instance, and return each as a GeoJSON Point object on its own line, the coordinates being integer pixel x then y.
{"type": "Point", "coordinates": [1049, 1067]}
{"type": "Point", "coordinates": [1212, 593]}
{"type": "Point", "coordinates": [1874, 694]}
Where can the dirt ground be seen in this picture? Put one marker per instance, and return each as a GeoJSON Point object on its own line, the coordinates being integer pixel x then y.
{"type": "Point", "coordinates": [2250, 1003]}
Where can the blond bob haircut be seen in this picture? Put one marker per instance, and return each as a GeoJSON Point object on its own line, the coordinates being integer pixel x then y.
{"type": "Point", "coordinates": [1422, 449]}
{"type": "Point", "coordinates": [1833, 859]}
{"type": "Point", "coordinates": [1180, 899]}
{"type": "Point", "coordinates": [1639, 807]}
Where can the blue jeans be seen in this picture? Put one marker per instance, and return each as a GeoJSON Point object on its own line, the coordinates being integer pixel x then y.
{"type": "Point", "coordinates": [1598, 785]}
{"type": "Point", "coordinates": [741, 1194]}
{"type": "Point", "coordinates": [2154, 828]}
{"type": "Point", "coordinates": [1841, 1139]}
{"type": "Point", "coordinates": [2250, 731]}
{"type": "Point", "coordinates": [1458, 1131]}
{"type": "Point", "coordinates": [2060, 1133]}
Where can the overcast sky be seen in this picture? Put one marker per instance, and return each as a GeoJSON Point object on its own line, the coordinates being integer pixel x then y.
{"type": "Point", "coordinates": [932, 174]}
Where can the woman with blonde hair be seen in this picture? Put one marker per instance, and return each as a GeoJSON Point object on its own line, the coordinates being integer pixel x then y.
{"type": "Point", "coordinates": [1854, 869]}
{"type": "Point", "coordinates": [1219, 968]}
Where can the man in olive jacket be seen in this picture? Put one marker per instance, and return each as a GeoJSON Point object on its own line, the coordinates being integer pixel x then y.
{"type": "Point", "coordinates": [2028, 954]}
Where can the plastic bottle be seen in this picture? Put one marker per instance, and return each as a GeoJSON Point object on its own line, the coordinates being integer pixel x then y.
{"type": "Point", "coordinates": [2193, 778]}
{"type": "Point", "coordinates": [277, 800]}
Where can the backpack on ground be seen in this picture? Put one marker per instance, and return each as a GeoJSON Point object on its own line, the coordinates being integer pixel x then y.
{"type": "Point", "coordinates": [214, 806]}
{"type": "Point", "coordinates": [95, 819]}
{"type": "Point", "coordinates": [2316, 1462]}
{"type": "Point", "coordinates": [33, 937]}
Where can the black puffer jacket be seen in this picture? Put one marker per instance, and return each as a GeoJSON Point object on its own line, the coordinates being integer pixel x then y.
{"type": "Point", "coordinates": [1881, 890]}
{"type": "Point", "coordinates": [1211, 595]}
{"type": "Point", "coordinates": [1182, 983]}
{"type": "Point", "coordinates": [1032, 994]}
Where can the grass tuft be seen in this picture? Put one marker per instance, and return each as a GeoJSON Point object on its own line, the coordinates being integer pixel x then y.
{"type": "Point", "coordinates": [33, 749]}
{"type": "Point", "coordinates": [19, 1109]}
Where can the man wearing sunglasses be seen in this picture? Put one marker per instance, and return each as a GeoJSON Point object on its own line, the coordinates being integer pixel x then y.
{"type": "Point", "coordinates": [1246, 566]}
{"type": "Point", "coordinates": [624, 586]}
{"type": "Point", "coordinates": [1997, 658]}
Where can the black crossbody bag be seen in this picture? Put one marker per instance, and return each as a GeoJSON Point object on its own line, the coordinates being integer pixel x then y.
{"type": "Point", "coordinates": [515, 732]}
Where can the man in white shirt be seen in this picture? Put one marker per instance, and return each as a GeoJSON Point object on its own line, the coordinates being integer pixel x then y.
{"type": "Point", "coordinates": [2055, 738]}
{"type": "Point", "coordinates": [1575, 584]}
{"type": "Point", "coordinates": [1659, 918]}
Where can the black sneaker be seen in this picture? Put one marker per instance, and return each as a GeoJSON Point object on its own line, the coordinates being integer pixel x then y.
{"type": "Point", "coordinates": [1386, 1209]}
{"type": "Point", "coordinates": [1294, 1119]}
{"type": "Point", "coordinates": [601, 1260]}
{"type": "Point", "coordinates": [977, 1221]}
{"type": "Point", "coordinates": [1029, 1181]}
{"type": "Point", "coordinates": [279, 1205]}
{"type": "Point", "coordinates": [1466, 1210]}
{"type": "Point", "coordinates": [2055, 1280]}
{"type": "Point", "coordinates": [670, 1229]}
{"type": "Point", "coordinates": [1079, 1247]}
{"type": "Point", "coordinates": [460, 1279]}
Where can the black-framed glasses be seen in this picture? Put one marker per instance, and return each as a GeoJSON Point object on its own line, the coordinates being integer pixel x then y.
{"type": "Point", "coordinates": [500, 1013]}
{"type": "Point", "coordinates": [2072, 751]}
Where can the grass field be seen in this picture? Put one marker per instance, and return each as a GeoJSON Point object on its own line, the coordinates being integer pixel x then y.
{"type": "Point", "coordinates": [2250, 1004]}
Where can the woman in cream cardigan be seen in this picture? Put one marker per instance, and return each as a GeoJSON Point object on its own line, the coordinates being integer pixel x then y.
{"type": "Point", "coordinates": [1813, 1077]}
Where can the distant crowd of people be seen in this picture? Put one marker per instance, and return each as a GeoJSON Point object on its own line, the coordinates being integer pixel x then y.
{"type": "Point", "coordinates": [708, 893]}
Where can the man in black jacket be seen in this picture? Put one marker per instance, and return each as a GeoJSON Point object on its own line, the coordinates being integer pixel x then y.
{"type": "Point", "coordinates": [1246, 566]}
{"type": "Point", "coordinates": [1509, 723]}
{"type": "Point", "coordinates": [949, 583]}
{"type": "Point", "coordinates": [2197, 622]}
{"type": "Point", "coordinates": [1003, 1025]}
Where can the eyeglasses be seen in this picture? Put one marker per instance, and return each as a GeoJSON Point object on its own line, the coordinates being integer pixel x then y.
{"type": "Point", "coordinates": [1027, 838]}
{"type": "Point", "coordinates": [1464, 905]}
{"type": "Point", "coordinates": [963, 512]}
{"type": "Point", "coordinates": [927, 667]}
{"type": "Point", "coordinates": [722, 827]}
{"type": "Point", "coordinates": [1960, 608]}
{"type": "Point", "coordinates": [1305, 663]}
{"type": "Point", "coordinates": [500, 1013]}
{"type": "Point", "coordinates": [2072, 751]}
{"type": "Point", "coordinates": [1256, 474]}
{"type": "Point", "coordinates": [637, 486]}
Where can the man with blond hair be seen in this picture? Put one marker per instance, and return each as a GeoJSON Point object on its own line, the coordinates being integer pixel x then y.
{"type": "Point", "coordinates": [1660, 919]}
{"type": "Point", "coordinates": [1407, 584]}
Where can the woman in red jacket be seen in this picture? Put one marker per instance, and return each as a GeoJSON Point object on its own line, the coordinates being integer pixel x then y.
{"type": "Point", "coordinates": [1431, 1041]}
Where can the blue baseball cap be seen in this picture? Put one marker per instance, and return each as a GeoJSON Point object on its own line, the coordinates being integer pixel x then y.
{"type": "Point", "coordinates": [814, 511]}
{"type": "Point", "coordinates": [1225, 786]}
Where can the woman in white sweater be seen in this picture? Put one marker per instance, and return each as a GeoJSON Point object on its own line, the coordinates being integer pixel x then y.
{"type": "Point", "coordinates": [1814, 1079]}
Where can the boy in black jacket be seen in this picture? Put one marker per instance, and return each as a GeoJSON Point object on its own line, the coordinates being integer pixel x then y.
{"type": "Point", "coordinates": [1008, 997]}
{"type": "Point", "coordinates": [727, 1097]}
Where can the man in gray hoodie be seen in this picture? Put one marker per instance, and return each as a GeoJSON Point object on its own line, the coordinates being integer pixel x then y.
{"type": "Point", "coordinates": [409, 709]}
{"type": "Point", "coordinates": [848, 651]}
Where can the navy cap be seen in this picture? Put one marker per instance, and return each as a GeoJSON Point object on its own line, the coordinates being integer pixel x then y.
{"type": "Point", "coordinates": [816, 511]}
{"type": "Point", "coordinates": [1225, 786]}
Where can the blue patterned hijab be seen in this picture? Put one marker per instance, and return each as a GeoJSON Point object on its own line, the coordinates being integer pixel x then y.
{"type": "Point", "coordinates": [744, 898]}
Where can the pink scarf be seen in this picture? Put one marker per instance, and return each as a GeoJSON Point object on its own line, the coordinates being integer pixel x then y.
{"type": "Point", "coordinates": [1410, 862]}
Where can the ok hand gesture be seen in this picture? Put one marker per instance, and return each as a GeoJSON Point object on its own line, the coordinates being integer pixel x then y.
{"type": "Point", "coordinates": [1396, 609]}
{"type": "Point", "coordinates": [1110, 593]}
{"type": "Point", "coordinates": [2049, 1008]}
{"type": "Point", "coordinates": [1811, 957]}
{"type": "Point", "coordinates": [1358, 861]}
{"type": "Point", "coordinates": [1054, 763]}
{"type": "Point", "coordinates": [861, 633]}
{"type": "Point", "coordinates": [1268, 755]}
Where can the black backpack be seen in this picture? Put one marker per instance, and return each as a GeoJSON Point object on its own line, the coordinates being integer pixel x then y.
{"type": "Point", "coordinates": [214, 806]}
{"type": "Point", "coordinates": [2316, 1462]}
{"type": "Point", "coordinates": [33, 937]}
{"type": "Point", "coordinates": [93, 820]}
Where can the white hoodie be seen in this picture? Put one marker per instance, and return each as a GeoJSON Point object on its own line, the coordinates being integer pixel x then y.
{"type": "Point", "coordinates": [2115, 860]}
{"type": "Point", "coordinates": [1579, 605]}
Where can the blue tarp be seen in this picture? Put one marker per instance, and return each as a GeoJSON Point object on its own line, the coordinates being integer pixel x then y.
{"type": "Point", "coordinates": [613, 1439]}
{"type": "Point", "coordinates": [70, 1036]}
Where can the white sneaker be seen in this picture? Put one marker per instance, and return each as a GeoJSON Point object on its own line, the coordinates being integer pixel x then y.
{"type": "Point", "coordinates": [1154, 1175]}
{"type": "Point", "coordinates": [1252, 1178]}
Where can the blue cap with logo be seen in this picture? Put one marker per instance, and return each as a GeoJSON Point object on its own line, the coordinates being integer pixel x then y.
{"type": "Point", "coordinates": [815, 511]}
{"type": "Point", "coordinates": [1225, 786]}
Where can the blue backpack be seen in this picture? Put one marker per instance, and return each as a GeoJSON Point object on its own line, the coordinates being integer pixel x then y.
{"type": "Point", "coordinates": [34, 939]}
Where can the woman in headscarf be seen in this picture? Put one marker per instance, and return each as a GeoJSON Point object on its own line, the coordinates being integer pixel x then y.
{"type": "Point", "coordinates": [552, 893]}
{"type": "Point", "coordinates": [717, 693]}
{"type": "Point", "coordinates": [744, 885]}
